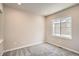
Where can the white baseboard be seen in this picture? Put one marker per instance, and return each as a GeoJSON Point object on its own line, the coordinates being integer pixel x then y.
{"type": "Point", "coordinates": [65, 48]}
{"type": "Point", "coordinates": [23, 46]}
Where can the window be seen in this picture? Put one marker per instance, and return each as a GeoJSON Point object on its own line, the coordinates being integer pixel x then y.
{"type": "Point", "coordinates": [62, 27]}
{"type": "Point", "coordinates": [56, 27]}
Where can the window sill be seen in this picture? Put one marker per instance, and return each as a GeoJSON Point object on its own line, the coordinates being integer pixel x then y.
{"type": "Point", "coordinates": [63, 37]}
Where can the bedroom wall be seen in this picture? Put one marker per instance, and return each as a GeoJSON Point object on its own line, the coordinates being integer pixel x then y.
{"type": "Point", "coordinates": [22, 29]}
{"type": "Point", "coordinates": [1, 26]}
{"type": "Point", "coordinates": [71, 44]}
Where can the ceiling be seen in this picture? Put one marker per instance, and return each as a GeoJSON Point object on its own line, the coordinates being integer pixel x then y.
{"type": "Point", "coordinates": [43, 9]}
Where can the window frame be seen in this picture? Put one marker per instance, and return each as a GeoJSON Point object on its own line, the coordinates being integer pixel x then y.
{"type": "Point", "coordinates": [62, 35]}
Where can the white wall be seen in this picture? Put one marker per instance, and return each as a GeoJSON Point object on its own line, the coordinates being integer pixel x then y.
{"type": "Point", "coordinates": [22, 28]}
{"type": "Point", "coordinates": [72, 44]}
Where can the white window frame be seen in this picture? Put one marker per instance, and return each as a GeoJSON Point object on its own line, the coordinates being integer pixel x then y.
{"type": "Point", "coordinates": [54, 21]}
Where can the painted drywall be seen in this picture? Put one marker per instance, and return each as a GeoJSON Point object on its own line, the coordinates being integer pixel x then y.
{"type": "Point", "coordinates": [22, 28]}
{"type": "Point", "coordinates": [72, 44]}
{"type": "Point", "coordinates": [1, 21]}
{"type": "Point", "coordinates": [1, 33]}
{"type": "Point", "coordinates": [1, 25]}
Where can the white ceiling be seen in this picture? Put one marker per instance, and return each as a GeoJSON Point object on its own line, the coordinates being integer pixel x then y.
{"type": "Point", "coordinates": [43, 9]}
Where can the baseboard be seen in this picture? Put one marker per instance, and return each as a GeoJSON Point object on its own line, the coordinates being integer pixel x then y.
{"type": "Point", "coordinates": [23, 46]}
{"type": "Point", "coordinates": [65, 48]}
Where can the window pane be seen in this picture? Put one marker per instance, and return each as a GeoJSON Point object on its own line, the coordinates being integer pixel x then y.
{"type": "Point", "coordinates": [56, 27]}
{"type": "Point", "coordinates": [66, 26]}
{"type": "Point", "coordinates": [65, 31]}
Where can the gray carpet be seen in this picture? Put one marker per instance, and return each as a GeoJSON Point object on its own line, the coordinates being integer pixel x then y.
{"type": "Point", "coordinates": [44, 49]}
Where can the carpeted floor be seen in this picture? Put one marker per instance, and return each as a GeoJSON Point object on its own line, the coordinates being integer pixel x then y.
{"type": "Point", "coordinates": [44, 49]}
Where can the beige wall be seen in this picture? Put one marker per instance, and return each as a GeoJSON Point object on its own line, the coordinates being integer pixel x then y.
{"type": "Point", "coordinates": [1, 25]}
{"type": "Point", "coordinates": [1, 21]}
{"type": "Point", "coordinates": [22, 29]}
{"type": "Point", "coordinates": [72, 44]}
